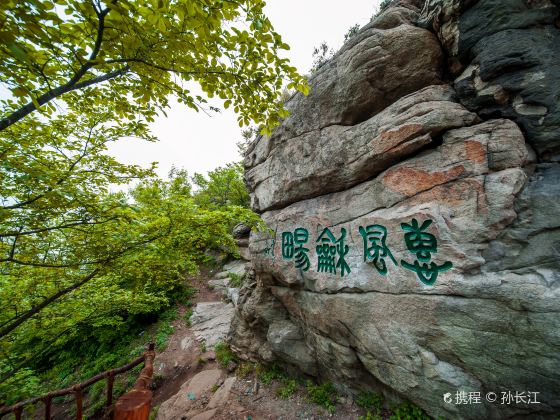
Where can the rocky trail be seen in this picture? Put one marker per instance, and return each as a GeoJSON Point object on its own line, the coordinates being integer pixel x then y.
{"type": "Point", "coordinates": [191, 384]}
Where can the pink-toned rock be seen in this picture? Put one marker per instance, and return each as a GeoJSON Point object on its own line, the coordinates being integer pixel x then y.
{"type": "Point", "coordinates": [339, 157]}
{"type": "Point", "coordinates": [221, 396]}
{"type": "Point", "coordinates": [189, 393]}
{"type": "Point", "coordinates": [206, 415]}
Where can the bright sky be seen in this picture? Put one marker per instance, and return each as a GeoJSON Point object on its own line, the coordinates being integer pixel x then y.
{"type": "Point", "coordinates": [200, 143]}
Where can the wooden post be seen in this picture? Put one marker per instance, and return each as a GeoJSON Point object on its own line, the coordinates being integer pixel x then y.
{"type": "Point", "coordinates": [110, 381]}
{"type": "Point", "coordinates": [134, 405]}
{"type": "Point", "coordinates": [17, 413]}
{"type": "Point", "coordinates": [47, 401]}
{"type": "Point", "coordinates": [79, 405]}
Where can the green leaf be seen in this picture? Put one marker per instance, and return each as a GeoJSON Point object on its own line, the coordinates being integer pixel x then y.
{"type": "Point", "coordinates": [19, 91]}
{"type": "Point", "coordinates": [18, 53]}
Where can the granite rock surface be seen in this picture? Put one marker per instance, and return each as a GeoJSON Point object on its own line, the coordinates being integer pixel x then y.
{"type": "Point", "coordinates": [413, 212]}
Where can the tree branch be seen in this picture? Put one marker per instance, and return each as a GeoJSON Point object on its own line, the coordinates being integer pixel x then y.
{"type": "Point", "coordinates": [52, 94]}
{"type": "Point", "coordinates": [38, 308]}
{"type": "Point", "coordinates": [58, 183]}
{"type": "Point", "coordinates": [72, 84]}
{"type": "Point", "coordinates": [6, 330]}
{"type": "Point", "coordinates": [63, 226]}
{"type": "Point", "coordinates": [101, 78]}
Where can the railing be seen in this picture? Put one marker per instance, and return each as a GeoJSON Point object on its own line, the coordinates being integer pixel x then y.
{"type": "Point", "coordinates": [134, 405]}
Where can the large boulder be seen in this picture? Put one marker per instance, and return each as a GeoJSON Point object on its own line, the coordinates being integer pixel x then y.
{"type": "Point", "coordinates": [373, 70]}
{"type": "Point", "coordinates": [286, 340]}
{"type": "Point", "coordinates": [414, 241]}
{"type": "Point", "coordinates": [506, 57]}
{"type": "Point", "coordinates": [241, 230]}
{"type": "Point", "coordinates": [236, 267]}
{"type": "Point", "coordinates": [211, 322]}
{"type": "Point", "coordinates": [190, 395]}
{"type": "Point", "coordinates": [468, 194]}
{"type": "Point", "coordinates": [339, 157]}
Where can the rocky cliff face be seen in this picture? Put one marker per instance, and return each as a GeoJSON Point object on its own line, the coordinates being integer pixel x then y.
{"type": "Point", "coordinates": [414, 207]}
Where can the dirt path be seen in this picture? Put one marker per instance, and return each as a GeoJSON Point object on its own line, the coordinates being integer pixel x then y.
{"type": "Point", "coordinates": [179, 362]}
{"type": "Point", "coordinates": [191, 385]}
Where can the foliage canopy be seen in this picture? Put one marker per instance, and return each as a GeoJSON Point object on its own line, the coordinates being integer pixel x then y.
{"type": "Point", "coordinates": [222, 187]}
{"type": "Point", "coordinates": [80, 259]}
{"type": "Point", "coordinates": [88, 280]}
{"type": "Point", "coordinates": [144, 51]}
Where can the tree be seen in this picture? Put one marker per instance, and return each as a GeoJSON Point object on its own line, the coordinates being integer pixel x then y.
{"type": "Point", "coordinates": [113, 66]}
{"type": "Point", "coordinates": [321, 56]}
{"type": "Point", "coordinates": [382, 7]}
{"type": "Point", "coordinates": [248, 135]}
{"type": "Point", "coordinates": [55, 205]}
{"type": "Point", "coordinates": [352, 31]}
{"type": "Point", "coordinates": [161, 235]}
{"type": "Point", "coordinates": [74, 255]}
{"type": "Point", "coordinates": [223, 187]}
{"type": "Point", "coordinates": [143, 51]}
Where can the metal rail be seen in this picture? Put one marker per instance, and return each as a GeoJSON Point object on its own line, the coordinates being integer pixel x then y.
{"type": "Point", "coordinates": [142, 384]}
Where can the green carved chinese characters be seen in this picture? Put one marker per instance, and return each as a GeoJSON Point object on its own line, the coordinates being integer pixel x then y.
{"type": "Point", "coordinates": [328, 248]}
{"type": "Point", "coordinates": [423, 244]}
{"type": "Point", "coordinates": [332, 251]}
{"type": "Point", "coordinates": [293, 248]}
{"type": "Point", "coordinates": [301, 236]}
{"type": "Point", "coordinates": [287, 245]}
{"type": "Point", "coordinates": [375, 248]}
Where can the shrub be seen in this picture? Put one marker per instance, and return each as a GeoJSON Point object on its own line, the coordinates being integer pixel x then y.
{"type": "Point", "coordinates": [187, 317]}
{"type": "Point", "coordinates": [182, 293]}
{"type": "Point", "coordinates": [267, 374]}
{"type": "Point", "coordinates": [384, 4]}
{"type": "Point", "coordinates": [353, 30]}
{"type": "Point", "coordinates": [288, 389]}
{"type": "Point", "coordinates": [370, 416]}
{"type": "Point", "coordinates": [153, 413]}
{"type": "Point", "coordinates": [369, 401]}
{"type": "Point", "coordinates": [23, 384]}
{"type": "Point", "coordinates": [321, 55]}
{"type": "Point", "coordinates": [235, 280]}
{"type": "Point", "coordinates": [224, 355]}
{"type": "Point", "coordinates": [165, 329]}
{"type": "Point", "coordinates": [245, 369]}
{"type": "Point", "coordinates": [323, 395]}
{"type": "Point", "coordinates": [408, 411]}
